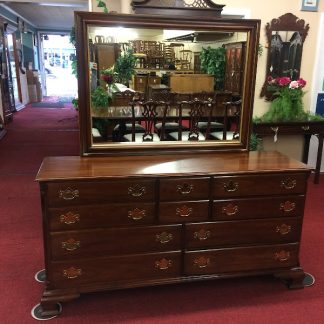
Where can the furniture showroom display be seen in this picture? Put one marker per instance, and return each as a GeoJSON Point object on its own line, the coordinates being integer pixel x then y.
{"type": "Point", "coordinates": [130, 214]}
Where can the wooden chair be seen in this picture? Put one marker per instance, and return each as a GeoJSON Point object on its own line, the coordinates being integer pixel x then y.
{"type": "Point", "coordinates": [123, 100]}
{"type": "Point", "coordinates": [218, 99]}
{"type": "Point", "coordinates": [233, 110]}
{"type": "Point", "coordinates": [149, 113]}
{"type": "Point", "coordinates": [184, 63]}
{"type": "Point", "coordinates": [197, 110]}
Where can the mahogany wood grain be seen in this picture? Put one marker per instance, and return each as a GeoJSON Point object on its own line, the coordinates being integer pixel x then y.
{"type": "Point", "coordinates": [265, 207]}
{"type": "Point", "coordinates": [251, 232]}
{"type": "Point", "coordinates": [241, 259]}
{"type": "Point", "coordinates": [75, 167]}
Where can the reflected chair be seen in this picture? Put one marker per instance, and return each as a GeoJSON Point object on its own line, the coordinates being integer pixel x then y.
{"type": "Point", "coordinates": [195, 111]}
{"type": "Point", "coordinates": [148, 113]}
{"type": "Point", "coordinates": [231, 130]}
{"type": "Point", "coordinates": [219, 98]}
{"type": "Point", "coordinates": [122, 100]}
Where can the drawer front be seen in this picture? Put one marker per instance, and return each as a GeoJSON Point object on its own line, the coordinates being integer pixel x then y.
{"type": "Point", "coordinates": [116, 241]}
{"type": "Point", "coordinates": [262, 231]}
{"type": "Point", "coordinates": [114, 270]}
{"type": "Point", "coordinates": [250, 185]}
{"type": "Point", "coordinates": [241, 259]}
{"type": "Point", "coordinates": [78, 217]}
{"type": "Point", "coordinates": [88, 192]}
{"type": "Point", "coordinates": [266, 207]}
{"type": "Point", "coordinates": [184, 189]}
{"type": "Point", "coordinates": [185, 211]}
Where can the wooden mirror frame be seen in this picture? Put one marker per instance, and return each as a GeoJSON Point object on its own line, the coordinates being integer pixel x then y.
{"type": "Point", "coordinates": [85, 19]}
{"type": "Point", "coordinates": [286, 22]}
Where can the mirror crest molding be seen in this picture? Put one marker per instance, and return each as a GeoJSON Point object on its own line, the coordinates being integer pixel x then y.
{"type": "Point", "coordinates": [178, 7]}
{"type": "Point", "coordinates": [285, 23]}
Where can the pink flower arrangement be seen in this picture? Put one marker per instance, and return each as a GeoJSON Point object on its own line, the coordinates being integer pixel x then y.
{"type": "Point", "coordinates": [286, 104]}
{"type": "Point", "coordinates": [286, 81]}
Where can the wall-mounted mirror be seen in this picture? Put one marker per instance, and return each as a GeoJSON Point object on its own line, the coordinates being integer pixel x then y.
{"type": "Point", "coordinates": [285, 37]}
{"type": "Point", "coordinates": [172, 83]}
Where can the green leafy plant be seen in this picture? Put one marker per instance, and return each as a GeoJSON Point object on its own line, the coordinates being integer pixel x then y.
{"type": "Point", "coordinates": [100, 98]}
{"type": "Point", "coordinates": [255, 143]}
{"type": "Point", "coordinates": [102, 4]}
{"type": "Point", "coordinates": [213, 62]}
{"type": "Point", "coordinates": [287, 104]}
{"type": "Point", "coordinates": [124, 67]}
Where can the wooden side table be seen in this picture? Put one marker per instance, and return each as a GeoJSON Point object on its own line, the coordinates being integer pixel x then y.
{"type": "Point", "coordinates": [307, 129]}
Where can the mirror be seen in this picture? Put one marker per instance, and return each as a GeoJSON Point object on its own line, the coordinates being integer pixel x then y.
{"type": "Point", "coordinates": [157, 84]}
{"type": "Point", "coordinates": [285, 36]}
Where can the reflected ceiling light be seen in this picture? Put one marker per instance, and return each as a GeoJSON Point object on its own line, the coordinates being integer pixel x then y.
{"type": "Point", "coordinates": [61, 4]}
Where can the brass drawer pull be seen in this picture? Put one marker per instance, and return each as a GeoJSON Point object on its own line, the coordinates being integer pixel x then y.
{"type": "Point", "coordinates": [137, 191]}
{"type": "Point", "coordinates": [287, 206]}
{"type": "Point", "coordinates": [185, 188]}
{"type": "Point", "coordinates": [282, 256]}
{"type": "Point", "coordinates": [68, 194]}
{"type": "Point", "coordinates": [71, 245]}
{"type": "Point", "coordinates": [72, 273]}
{"type": "Point", "coordinates": [137, 214]}
{"type": "Point", "coordinates": [305, 128]}
{"type": "Point", "coordinates": [202, 262]}
{"type": "Point", "coordinates": [163, 264]}
{"type": "Point", "coordinates": [231, 186]}
{"type": "Point", "coordinates": [164, 237]}
{"type": "Point", "coordinates": [283, 229]}
{"type": "Point", "coordinates": [184, 211]}
{"type": "Point", "coordinates": [288, 183]}
{"type": "Point", "coordinates": [202, 235]}
{"type": "Point", "coordinates": [69, 218]}
{"type": "Point", "coordinates": [230, 209]}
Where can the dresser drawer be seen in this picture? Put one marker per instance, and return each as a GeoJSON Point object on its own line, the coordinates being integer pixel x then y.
{"type": "Point", "coordinates": [89, 216]}
{"type": "Point", "coordinates": [261, 231]}
{"type": "Point", "coordinates": [88, 192]}
{"type": "Point", "coordinates": [218, 261]}
{"type": "Point", "coordinates": [114, 270]}
{"type": "Point", "coordinates": [265, 207]}
{"type": "Point", "coordinates": [250, 185]}
{"type": "Point", "coordinates": [184, 189]}
{"type": "Point", "coordinates": [115, 241]}
{"type": "Point", "coordinates": [185, 211]}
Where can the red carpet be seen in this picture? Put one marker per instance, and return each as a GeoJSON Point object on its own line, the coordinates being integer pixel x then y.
{"type": "Point", "coordinates": [36, 133]}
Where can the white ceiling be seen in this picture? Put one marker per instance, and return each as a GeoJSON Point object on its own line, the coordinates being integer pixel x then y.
{"type": "Point", "coordinates": [47, 14]}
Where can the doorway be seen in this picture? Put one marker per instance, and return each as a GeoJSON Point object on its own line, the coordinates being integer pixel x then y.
{"type": "Point", "coordinates": [57, 56]}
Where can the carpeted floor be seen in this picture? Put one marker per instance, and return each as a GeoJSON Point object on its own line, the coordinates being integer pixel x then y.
{"type": "Point", "coordinates": [36, 133]}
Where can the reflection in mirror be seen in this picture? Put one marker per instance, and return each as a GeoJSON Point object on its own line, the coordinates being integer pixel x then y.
{"type": "Point", "coordinates": [162, 85]}
{"type": "Point", "coordinates": [285, 54]}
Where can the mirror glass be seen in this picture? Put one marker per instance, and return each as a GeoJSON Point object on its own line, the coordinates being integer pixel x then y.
{"type": "Point", "coordinates": [169, 66]}
{"type": "Point", "coordinates": [285, 54]}
{"type": "Point", "coordinates": [161, 84]}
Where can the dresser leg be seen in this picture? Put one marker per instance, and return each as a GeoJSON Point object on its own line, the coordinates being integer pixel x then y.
{"type": "Point", "coordinates": [50, 301]}
{"type": "Point", "coordinates": [293, 278]}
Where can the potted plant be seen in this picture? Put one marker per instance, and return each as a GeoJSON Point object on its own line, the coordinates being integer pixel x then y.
{"type": "Point", "coordinates": [213, 62]}
{"type": "Point", "coordinates": [100, 98]}
{"type": "Point", "coordinates": [124, 67]}
{"type": "Point", "coordinates": [287, 104]}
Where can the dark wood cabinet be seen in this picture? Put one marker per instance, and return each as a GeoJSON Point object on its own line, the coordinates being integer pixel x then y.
{"type": "Point", "coordinates": [234, 68]}
{"type": "Point", "coordinates": [120, 222]}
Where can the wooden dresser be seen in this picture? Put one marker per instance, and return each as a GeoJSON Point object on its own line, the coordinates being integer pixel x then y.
{"type": "Point", "coordinates": [120, 222]}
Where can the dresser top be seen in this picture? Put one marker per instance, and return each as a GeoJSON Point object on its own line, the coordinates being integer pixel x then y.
{"type": "Point", "coordinates": [75, 167]}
